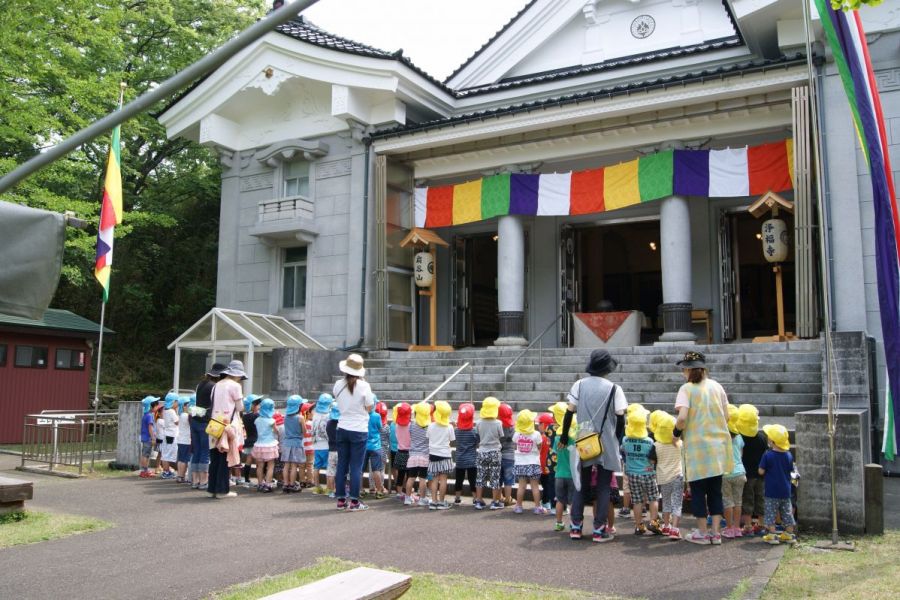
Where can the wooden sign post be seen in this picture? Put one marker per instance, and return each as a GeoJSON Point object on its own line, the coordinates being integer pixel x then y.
{"type": "Point", "coordinates": [426, 240]}
{"type": "Point", "coordinates": [774, 251]}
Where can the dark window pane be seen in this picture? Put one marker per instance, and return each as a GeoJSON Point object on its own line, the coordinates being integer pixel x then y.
{"type": "Point", "coordinates": [2, 355]}
{"type": "Point", "coordinates": [31, 357]}
{"type": "Point", "coordinates": [70, 359]}
{"type": "Point", "coordinates": [299, 287]}
{"type": "Point", "coordinates": [287, 300]}
{"type": "Point", "coordinates": [293, 255]}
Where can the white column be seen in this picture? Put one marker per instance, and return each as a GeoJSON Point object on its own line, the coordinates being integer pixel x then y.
{"type": "Point", "coordinates": [675, 256]}
{"type": "Point", "coordinates": [511, 281]}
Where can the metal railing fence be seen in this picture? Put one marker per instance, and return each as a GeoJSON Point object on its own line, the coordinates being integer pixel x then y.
{"type": "Point", "coordinates": [68, 439]}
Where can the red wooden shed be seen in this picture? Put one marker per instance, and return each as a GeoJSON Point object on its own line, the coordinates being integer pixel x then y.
{"type": "Point", "coordinates": [44, 365]}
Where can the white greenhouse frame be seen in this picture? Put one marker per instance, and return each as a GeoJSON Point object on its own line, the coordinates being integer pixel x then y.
{"type": "Point", "coordinates": [226, 330]}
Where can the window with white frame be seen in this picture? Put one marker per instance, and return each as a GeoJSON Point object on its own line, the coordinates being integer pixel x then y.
{"type": "Point", "coordinates": [296, 179]}
{"type": "Point", "coordinates": [293, 278]}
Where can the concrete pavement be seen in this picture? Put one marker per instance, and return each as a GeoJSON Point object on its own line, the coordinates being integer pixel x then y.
{"type": "Point", "coordinates": [162, 545]}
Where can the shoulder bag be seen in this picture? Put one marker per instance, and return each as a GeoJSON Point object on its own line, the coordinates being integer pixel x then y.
{"type": "Point", "coordinates": [215, 428]}
{"type": "Point", "coordinates": [589, 445]}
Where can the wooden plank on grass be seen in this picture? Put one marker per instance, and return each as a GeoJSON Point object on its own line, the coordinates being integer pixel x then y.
{"type": "Point", "coordinates": [361, 583]}
{"type": "Point", "coordinates": [15, 490]}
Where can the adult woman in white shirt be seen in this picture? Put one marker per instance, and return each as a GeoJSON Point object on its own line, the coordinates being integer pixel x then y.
{"type": "Point", "coordinates": [226, 407]}
{"type": "Point", "coordinates": [355, 401]}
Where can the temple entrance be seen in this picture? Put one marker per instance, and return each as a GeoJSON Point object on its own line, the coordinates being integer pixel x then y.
{"type": "Point", "coordinates": [474, 296]}
{"type": "Point", "coordinates": [748, 283]}
{"type": "Point", "coordinates": [613, 269]}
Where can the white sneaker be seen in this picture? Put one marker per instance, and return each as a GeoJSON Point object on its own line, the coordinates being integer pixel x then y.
{"type": "Point", "coordinates": [424, 502]}
{"type": "Point", "coordinates": [408, 501]}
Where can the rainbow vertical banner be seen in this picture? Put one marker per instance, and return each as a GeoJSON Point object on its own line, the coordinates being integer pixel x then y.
{"type": "Point", "coordinates": [110, 213]}
{"type": "Point", "coordinates": [847, 39]}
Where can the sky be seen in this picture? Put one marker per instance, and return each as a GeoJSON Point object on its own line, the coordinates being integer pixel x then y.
{"type": "Point", "coordinates": [437, 35]}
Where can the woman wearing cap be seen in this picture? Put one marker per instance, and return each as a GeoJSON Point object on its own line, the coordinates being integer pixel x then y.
{"type": "Point", "coordinates": [354, 400]}
{"type": "Point", "coordinates": [226, 407]}
{"type": "Point", "coordinates": [199, 421]}
{"type": "Point", "coordinates": [702, 424]}
{"type": "Point", "coordinates": [600, 406]}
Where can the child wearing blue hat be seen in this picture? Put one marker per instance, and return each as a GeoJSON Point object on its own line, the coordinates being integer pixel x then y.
{"type": "Point", "coordinates": [170, 431]}
{"type": "Point", "coordinates": [292, 453]}
{"type": "Point", "coordinates": [320, 437]}
{"type": "Point", "coordinates": [148, 434]}
{"type": "Point", "coordinates": [183, 438]}
{"type": "Point", "coordinates": [265, 450]}
{"type": "Point", "coordinates": [331, 431]}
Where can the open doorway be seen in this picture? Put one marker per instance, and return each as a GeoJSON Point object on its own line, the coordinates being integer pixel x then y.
{"type": "Point", "coordinates": [616, 268]}
{"type": "Point", "coordinates": [475, 318]}
{"type": "Point", "coordinates": [748, 282]}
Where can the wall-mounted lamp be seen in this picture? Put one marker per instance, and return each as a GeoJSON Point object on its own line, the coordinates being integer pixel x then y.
{"type": "Point", "coordinates": [653, 246]}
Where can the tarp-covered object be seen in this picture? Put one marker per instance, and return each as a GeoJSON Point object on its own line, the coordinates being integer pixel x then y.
{"type": "Point", "coordinates": [31, 255]}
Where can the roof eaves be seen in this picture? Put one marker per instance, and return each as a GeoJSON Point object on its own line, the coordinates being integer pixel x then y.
{"type": "Point", "coordinates": [661, 82]}
{"type": "Point", "coordinates": [565, 73]}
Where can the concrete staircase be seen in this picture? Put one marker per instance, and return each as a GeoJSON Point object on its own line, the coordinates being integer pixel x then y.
{"type": "Point", "coordinates": [779, 378]}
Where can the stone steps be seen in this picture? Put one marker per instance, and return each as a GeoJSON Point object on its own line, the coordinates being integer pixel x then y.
{"type": "Point", "coordinates": [780, 379]}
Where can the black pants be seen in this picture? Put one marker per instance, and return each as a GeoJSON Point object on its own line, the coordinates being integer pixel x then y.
{"type": "Point", "coordinates": [219, 478]}
{"type": "Point", "coordinates": [706, 497]}
{"type": "Point", "coordinates": [461, 476]}
{"type": "Point", "coordinates": [548, 488]}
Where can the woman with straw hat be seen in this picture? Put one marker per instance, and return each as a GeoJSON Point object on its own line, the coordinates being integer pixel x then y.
{"type": "Point", "coordinates": [702, 424]}
{"type": "Point", "coordinates": [353, 398]}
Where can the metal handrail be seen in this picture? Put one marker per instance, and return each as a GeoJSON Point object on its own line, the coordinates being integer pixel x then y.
{"type": "Point", "coordinates": [522, 353]}
{"type": "Point", "coordinates": [449, 379]}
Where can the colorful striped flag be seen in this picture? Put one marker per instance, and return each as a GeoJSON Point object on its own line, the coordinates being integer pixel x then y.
{"type": "Point", "coordinates": [845, 35]}
{"type": "Point", "coordinates": [110, 214]}
{"type": "Point", "coordinates": [733, 172]}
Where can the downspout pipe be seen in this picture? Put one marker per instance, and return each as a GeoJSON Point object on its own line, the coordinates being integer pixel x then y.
{"type": "Point", "coordinates": [365, 251]}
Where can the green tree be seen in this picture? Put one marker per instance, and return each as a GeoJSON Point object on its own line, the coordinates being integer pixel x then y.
{"type": "Point", "coordinates": [60, 68]}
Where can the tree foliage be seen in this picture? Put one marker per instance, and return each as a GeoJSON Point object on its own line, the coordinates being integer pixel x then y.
{"type": "Point", "coordinates": [60, 68]}
{"type": "Point", "coordinates": [853, 4]}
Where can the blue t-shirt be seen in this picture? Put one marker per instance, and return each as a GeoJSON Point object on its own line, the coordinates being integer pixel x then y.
{"type": "Point", "coordinates": [466, 443]}
{"type": "Point", "coordinates": [639, 452]}
{"type": "Point", "coordinates": [146, 422]}
{"type": "Point", "coordinates": [373, 442]}
{"type": "Point", "coordinates": [778, 467]}
{"type": "Point", "coordinates": [265, 432]}
{"type": "Point", "coordinates": [737, 449]}
{"type": "Point", "coordinates": [393, 434]}
{"type": "Point", "coordinates": [293, 435]}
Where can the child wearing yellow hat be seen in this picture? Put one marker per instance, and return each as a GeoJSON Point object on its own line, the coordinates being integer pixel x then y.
{"type": "Point", "coordinates": [417, 465]}
{"type": "Point", "coordinates": [775, 467]}
{"type": "Point", "coordinates": [733, 482]}
{"type": "Point", "coordinates": [488, 456]}
{"type": "Point", "coordinates": [565, 486]}
{"type": "Point", "coordinates": [440, 464]}
{"type": "Point", "coordinates": [640, 469]}
{"type": "Point", "coordinates": [755, 445]}
{"type": "Point", "coordinates": [527, 461]}
{"type": "Point", "coordinates": [669, 472]}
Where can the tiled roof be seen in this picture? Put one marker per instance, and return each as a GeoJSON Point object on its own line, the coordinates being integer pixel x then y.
{"type": "Point", "coordinates": [305, 31]}
{"type": "Point", "coordinates": [575, 71]}
{"type": "Point", "coordinates": [56, 319]}
{"type": "Point", "coordinates": [661, 82]}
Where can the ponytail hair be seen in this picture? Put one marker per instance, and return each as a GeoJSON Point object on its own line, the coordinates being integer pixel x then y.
{"type": "Point", "coordinates": [351, 382]}
{"type": "Point", "coordinates": [696, 375]}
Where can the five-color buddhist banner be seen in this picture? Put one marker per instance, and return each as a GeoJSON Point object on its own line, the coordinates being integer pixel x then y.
{"type": "Point", "coordinates": [733, 172]}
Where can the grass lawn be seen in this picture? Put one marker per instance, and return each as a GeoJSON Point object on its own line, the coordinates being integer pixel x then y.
{"type": "Point", "coordinates": [425, 586]}
{"type": "Point", "coordinates": [29, 527]}
{"type": "Point", "coordinates": [870, 572]}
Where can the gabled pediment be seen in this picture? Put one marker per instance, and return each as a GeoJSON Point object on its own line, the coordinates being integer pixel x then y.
{"type": "Point", "coordinates": [553, 35]}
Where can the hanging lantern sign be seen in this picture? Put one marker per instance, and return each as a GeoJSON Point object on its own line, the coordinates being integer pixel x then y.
{"type": "Point", "coordinates": [424, 269]}
{"type": "Point", "coordinates": [775, 240]}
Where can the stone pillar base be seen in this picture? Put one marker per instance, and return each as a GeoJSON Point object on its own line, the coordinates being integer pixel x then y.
{"type": "Point", "coordinates": [512, 328]}
{"type": "Point", "coordinates": [676, 322]}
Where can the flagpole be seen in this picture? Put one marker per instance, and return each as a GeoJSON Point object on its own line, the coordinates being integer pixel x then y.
{"type": "Point", "coordinates": [122, 86]}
